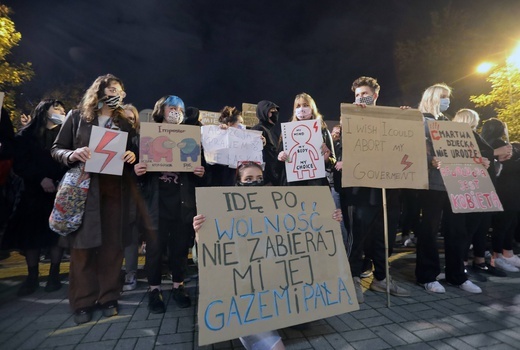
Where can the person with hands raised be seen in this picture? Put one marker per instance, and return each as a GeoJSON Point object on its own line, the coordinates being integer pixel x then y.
{"type": "Point", "coordinates": [170, 208]}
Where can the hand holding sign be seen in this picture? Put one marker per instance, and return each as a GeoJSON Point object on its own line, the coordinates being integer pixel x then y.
{"type": "Point", "coordinates": [108, 151]}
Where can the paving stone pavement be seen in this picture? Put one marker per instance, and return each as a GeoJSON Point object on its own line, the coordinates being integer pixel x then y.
{"type": "Point", "coordinates": [455, 320]}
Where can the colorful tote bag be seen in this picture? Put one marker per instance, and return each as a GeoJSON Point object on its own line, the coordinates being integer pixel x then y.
{"type": "Point", "coordinates": [69, 205]}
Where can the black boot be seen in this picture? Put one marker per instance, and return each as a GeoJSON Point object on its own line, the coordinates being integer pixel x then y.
{"type": "Point", "coordinates": [30, 284]}
{"type": "Point", "coordinates": [53, 283]}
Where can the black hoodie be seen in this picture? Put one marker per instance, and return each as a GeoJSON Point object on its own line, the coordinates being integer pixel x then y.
{"type": "Point", "coordinates": [269, 152]}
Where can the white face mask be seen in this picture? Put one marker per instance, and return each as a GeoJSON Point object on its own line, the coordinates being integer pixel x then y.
{"type": "Point", "coordinates": [174, 117]}
{"type": "Point", "coordinates": [303, 113]}
{"type": "Point", "coordinates": [57, 118]}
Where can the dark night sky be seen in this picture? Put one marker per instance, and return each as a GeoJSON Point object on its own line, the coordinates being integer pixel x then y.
{"type": "Point", "coordinates": [216, 53]}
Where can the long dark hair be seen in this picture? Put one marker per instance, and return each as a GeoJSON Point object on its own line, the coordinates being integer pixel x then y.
{"type": "Point", "coordinates": [39, 117]}
{"type": "Point", "coordinates": [493, 129]}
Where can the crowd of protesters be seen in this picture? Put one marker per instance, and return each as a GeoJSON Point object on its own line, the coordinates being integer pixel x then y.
{"type": "Point", "coordinates": [159, 208]}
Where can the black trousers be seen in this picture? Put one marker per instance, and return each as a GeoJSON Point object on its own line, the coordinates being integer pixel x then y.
{"type": "Point", "coordinates": [504, 226]}
{"type": "Point", "coordinates": [177, 238]}
{"type": "Point", "coordinates": [456, 240]}
{"type": "Point", "coordinates": [368, 234]}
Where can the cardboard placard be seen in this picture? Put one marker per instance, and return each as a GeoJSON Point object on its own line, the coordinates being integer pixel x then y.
{"type": "Point", "coordinates": [269, 257]}
{"type": "Point", "coordinates": [231, 145]}
{"type": "Point", "coordinates": [454, 143]}
{"type": "Point", "coordinates": [107, 148]}
{"type": "Point", "coordinates": [470, 188]}
{"type": "Point", "coordinates": [209, 118]}
{"type": "Point", "coordinates": [249, 114]}
{"type": "Point", "coordinates": [302, 141]}
{"type": "Point", "coordinates": [467, 181]}
{"type": "Point", "coordinates": [169, 147]}
{"type": "Point", "coordinates": [383, 147]}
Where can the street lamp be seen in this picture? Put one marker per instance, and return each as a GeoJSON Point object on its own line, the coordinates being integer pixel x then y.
{"type": "Point", "coordinates": [511, 63]}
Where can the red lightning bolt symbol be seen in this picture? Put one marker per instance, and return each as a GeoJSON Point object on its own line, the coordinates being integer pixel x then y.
{"type": "Point", "coordinates": [105, 140]}
{"type": "Point", "coordinates": [315, 126]}
{"type": "Point", "coordinates": [404, 162]}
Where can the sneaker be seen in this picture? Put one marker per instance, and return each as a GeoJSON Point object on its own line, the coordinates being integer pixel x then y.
{"type": "Point", "coordinates": [155, 302]}
{"type": "Point", "coordinates": [504, 265]}
{"type": "Point", "coordinates": [83, 315]}
{"type": "Point", "coordinates": [434, 287]}
{"type": "Point", "coordinates": [182, 299]}
{"type": "Point", "coordinates": [474, 275]}
{"type": "Point", "coordinates": [110, 308]}
{"type": "Point", "coordinates": [395, 290]}
{"type": "Point", "coordinates": [367, 269]}
{"type": "Point", "coordinates": [366, 274]}
{"type": "Point", "coordinates": [409, 243]}
{"type": "Point", "coordinates": [130, 282]}
{"type": "Point", "coordinates": [359, 290]}
{"type": "Point", "coordinates": [470, 287]}
{"type": "Point", "coordinates": [487, 268]}
{"type": "Point", "coordinates": [514, 260]}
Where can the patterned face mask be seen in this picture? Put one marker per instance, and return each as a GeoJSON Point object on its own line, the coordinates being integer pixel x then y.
{"type": "Point", "coordinates": [113, 101]}
{"type": "Point", "coordinates": [175, 117]}
{"type": "Point", "coordinates": [368, 100]}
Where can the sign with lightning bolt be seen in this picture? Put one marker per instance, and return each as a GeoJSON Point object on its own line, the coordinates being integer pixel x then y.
{"type": "Point", "coordinates": [383, 147]}
{"type": "Point", "coordinates": [302, 142]}
{"type": "Point", "coordinates": [107, 148]}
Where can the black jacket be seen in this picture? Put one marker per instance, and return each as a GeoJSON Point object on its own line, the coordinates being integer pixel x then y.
{"type": "Point", "coordinates": [269, 152]}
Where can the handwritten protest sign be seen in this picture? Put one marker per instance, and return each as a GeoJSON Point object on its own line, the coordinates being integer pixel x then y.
{"type": "Point", "coordinates": [269, 257]}
{"type": "Point", "coordinates": [231, 145]}
{"type": "Point", "coordinates": [470, 188]}
{"type": "Point", "coordinates": [169, 147]}
{"type": "Point", "coordinates": [383, 147]}
{"type": "Point", "coordinates": [302, 142]}
{"type": "Point", "coordinates": [454, 143]}
{"type": "Point", "coordinates": [107, 148]}
{"type": "Point", "coordinates": [249, 114]}
{"type": "Point", "coordinates": [209, 118]}
{"type": "Point", "coordinates": [467, 181]}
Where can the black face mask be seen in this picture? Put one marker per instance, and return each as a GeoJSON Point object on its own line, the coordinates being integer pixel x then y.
{"type": "Point", "coordinates": [252, 183]}
{"type": "Point", "coordinates": [274, 117]}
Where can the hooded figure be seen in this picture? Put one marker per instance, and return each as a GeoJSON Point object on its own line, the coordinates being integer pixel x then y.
{"type": "Point", "coordinates": [267, 114]}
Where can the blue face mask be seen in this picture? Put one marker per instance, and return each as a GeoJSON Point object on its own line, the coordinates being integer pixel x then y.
{"type": "Point", "coordinates": [445, 104]}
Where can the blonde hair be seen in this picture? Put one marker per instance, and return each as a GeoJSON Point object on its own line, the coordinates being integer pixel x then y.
{"type": "Point", "coordinates": [467, 116]}
{"type": "Point", "coordinates": [310, 101]}
{"type": "Point", "coordinates": [431, 99]}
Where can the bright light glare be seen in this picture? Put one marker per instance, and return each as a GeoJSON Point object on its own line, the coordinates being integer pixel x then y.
{"type": "Point", "coordinates": [514, 59]}
{"type": "Point", "coordinates": [485, 67]}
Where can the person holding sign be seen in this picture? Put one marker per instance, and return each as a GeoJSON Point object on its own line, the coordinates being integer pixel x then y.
{"type": "Point", "coordinates": [97, 246]}
{"type": "Point", "coordinates": [305, 109]}
{"type": "Point", "coordinates": [170, 201]}
{"type": "Point", "coordinates": [368, 231]}
{"type": "Point", "coordinates": [41, 174]}
{"type": "Point", "coordinates": [436, 100]}
{"type": "Point", "coordinates": [508, 189]}
{"type": "Point", "coordinates": [476, 225]}
{"type": "Point", "coordinates": [251, 174]}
